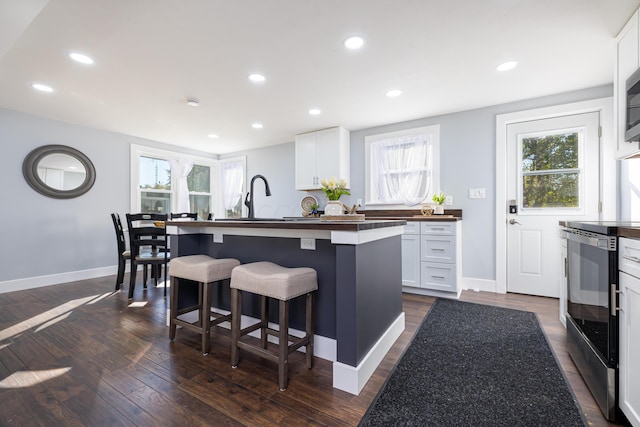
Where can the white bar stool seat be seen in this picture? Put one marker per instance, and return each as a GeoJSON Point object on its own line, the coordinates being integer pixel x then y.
{"type": "Point", "coordinates": [270, 280]}
{"type": "Point", "coordinates": [206, 271]}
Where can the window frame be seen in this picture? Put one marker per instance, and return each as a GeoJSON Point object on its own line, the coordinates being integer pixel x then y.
{"type": "Point", "coordinates": [580, 170]}
{"type": "Point", "coordinates": [138, 151]}
{"type": "Point", "coordinates": [371, 196]}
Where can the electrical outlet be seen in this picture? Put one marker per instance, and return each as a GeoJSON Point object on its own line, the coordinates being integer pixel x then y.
{"type": "Point", "coordinates": [217, 238]}
{"type": "Point", "coordinates": [448, 201]}
{"type": "Point", "coordinates": [359, 202]}
{"type": "Point", "coordinates": [309, 244]}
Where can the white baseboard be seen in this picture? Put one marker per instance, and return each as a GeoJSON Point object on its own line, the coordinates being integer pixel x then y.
{"type": "Point", "coordinates": [56, 279]}
{"type": "Point", "coordinates": [471, 284]}
{"type": "Point", "coordinates": [353, 378]}
{"type": "Point", "coordinates": [431, 292]}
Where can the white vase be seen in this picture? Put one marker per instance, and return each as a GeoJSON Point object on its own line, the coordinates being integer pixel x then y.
{"type": "Point", "coordinates": [333, 207]}
{"type": "Point", "coordinates": [438, 210]}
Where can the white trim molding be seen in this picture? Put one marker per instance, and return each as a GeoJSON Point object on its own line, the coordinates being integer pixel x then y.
{"type": "Point", "coordinates": [353, 378]}
{"type": "Point", "coordinates": [608, 167]}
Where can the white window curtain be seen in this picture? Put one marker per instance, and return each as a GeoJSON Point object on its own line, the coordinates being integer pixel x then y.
{"type": "Point", "coordinates": [182, 170]}
{"type": "Point", "coordinates": [403, 169]}
{"type": "Point", "coordinates": [232, 181]}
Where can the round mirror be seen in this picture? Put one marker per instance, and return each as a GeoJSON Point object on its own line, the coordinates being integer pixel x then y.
{"type": "Point", "coordinates": [59, 171]}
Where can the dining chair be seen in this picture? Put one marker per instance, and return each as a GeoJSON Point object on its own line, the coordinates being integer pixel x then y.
{"type": "Point", "coordinates": [148, 243]}
{"type": "Point", "coordinates": [185, 215]}
{"type": "Point", "coordinates": [123, 253]}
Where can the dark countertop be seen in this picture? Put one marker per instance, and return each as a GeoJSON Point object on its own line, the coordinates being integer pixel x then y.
{"type": "Point", "coordinates": [630, 232]}
{"type": "Point", "coordinates": [435, 218]}
{"type": "Point", "coordinates": [630, 229]}
{"type": "Point", "coordinates": [307, 224]}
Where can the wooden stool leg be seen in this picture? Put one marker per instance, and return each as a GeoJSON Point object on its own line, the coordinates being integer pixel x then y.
{"type": "Point", "coordinates": [236, 317]}
{"type": "Point", "coordinates": [264, 320]}
{"type": "Point", "coordinates": [173, 308]}
{"type": "Point", "coordinates": [309, 330]}
{"type": "Point", "coordinates": [205, 316]}
{"type": "Point", "coordinates": [283, 345]}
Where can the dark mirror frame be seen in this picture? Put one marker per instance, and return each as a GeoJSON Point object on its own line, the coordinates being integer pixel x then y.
{"type": "Point", "coordinates": [30, 171]}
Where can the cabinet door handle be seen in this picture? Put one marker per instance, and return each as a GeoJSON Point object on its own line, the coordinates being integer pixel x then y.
{"type": "Point", "coordinates": [437, 228]}
{"type": "Point", "coordinates": [437, 250]}
{"type": "Point", "coordinates": [631, 258]}
{"type": "Point", "coordinates": [437, 277]}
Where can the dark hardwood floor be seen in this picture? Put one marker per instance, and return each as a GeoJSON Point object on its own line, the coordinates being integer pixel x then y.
{"type": "Point", "coordinates": [78, 354]}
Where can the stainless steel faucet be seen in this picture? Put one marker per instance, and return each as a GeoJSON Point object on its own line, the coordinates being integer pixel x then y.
{"type": "Point", "coordinates": [248, 200]}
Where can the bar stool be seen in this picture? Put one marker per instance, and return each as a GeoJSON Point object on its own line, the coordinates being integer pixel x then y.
{"type": "Point", "coordinates": [205, 271]}
{"type": "Point", "coordinates": [270, 280]}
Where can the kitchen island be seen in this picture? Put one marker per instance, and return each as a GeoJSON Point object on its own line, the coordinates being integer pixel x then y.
{"type": "Point", "coordinates": [358, 307]}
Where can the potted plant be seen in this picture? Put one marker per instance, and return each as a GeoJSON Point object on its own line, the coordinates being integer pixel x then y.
{"type": "Point", "coordinates": [334, 188]}
{"type": "Point", "coordinates": [439, 199]}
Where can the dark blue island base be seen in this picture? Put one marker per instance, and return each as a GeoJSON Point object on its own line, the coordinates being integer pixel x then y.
{"type": "Point", "coordinates": [358, 307]}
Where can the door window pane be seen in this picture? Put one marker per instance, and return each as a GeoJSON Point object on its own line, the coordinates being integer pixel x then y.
{"type": "Point", "coordinates": [551, 191]}
{"type": "Point", "coordinates": [551, 171]}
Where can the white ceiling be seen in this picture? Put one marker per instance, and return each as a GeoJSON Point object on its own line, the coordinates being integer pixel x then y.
{"type": "Point", "coordinates": [151, 55]}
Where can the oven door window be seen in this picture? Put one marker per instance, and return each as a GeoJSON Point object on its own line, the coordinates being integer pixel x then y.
{"type": "Point", "coordinates": [588, 293]}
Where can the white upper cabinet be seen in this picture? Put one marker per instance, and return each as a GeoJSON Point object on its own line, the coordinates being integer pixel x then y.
{"type": "Point", "coordinates": [628, 61]}
{"type": "Point", "coordinates": [321, 155]}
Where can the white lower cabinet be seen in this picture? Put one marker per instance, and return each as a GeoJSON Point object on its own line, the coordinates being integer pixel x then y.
{"type": "Point", "coordinates": [411, 262]}
{"type": "Point", "coordinates": [629, 324]}
{"type": "Point", "coordinates": [431, 258]}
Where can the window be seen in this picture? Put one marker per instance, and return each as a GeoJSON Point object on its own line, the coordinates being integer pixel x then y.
{"type": "Point", "coordinates": [403, 167]}
{"type": "Point", "coordinates": [166, 181]}
{"type": "Point", "coordinates": [199, 185]}
{"type": "Point", "coordinates": [551, 170]}
{"type": "Point", "coordinates": [233, 185]}
{"type": "Point", "coordinates": [154, 185]}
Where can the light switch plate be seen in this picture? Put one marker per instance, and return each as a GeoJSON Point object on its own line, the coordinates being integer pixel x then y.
{"type": "Point", "coordinates": [448, 201]}
{"type": "Point", "coordinates": [477, 193]}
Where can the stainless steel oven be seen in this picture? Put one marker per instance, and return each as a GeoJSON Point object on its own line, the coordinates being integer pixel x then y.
{"type": "Point", "coordinates": [592, 323]}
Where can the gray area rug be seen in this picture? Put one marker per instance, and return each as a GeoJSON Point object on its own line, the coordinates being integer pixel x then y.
{"type": "Point", "coordinates": [476, 365]}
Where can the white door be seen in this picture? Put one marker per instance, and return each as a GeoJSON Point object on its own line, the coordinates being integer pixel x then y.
{"type": "Point", "coordinates": [553, 170]}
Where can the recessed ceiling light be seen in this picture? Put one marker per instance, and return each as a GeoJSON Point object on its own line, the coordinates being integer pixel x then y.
{"type": "Point", "coordinates": [257, 126]}
{"type": "Point", "coordinates": [256, 78]}
{"type": "Point", "coordinates": [506, 66]}
{"type": "Point", "coordinates": [212, 136]}
{"type": "Point", "coordinates": [315, 111]}
{"type": "Point", "coordinates": [393, 93]}
{"type": "Point", "coordinates": [193, 102]}
{"type": "Point", "coordinates": [81, 58]}
{"type": "Point", "coordinates": [354, 42]}
{"type": "Point", "coordinates": [42, 87]}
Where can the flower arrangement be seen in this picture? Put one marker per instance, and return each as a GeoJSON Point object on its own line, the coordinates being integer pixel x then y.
{"type": "Point", "coordinates": [439, 198]}
{"type": "Point", "coordinates": [334, 188]}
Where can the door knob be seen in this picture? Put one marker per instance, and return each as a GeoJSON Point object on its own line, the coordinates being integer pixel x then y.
{"type": "Point", "coordinates": [513, 221]}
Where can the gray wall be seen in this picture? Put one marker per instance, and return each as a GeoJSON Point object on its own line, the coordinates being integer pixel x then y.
{"type": "Point", "coordinates": [467, 157]}
{"type": "Point", "coordinates": [44, 236]}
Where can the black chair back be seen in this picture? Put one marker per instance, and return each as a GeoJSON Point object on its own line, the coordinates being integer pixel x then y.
{"type": "Point", "coordinates": [147, 243]}
{"type": "Point", "coordinates": [184, 215]}
{"type": "Point", "coordinates": [122, 247]}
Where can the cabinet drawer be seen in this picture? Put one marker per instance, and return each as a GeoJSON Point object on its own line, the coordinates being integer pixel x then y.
{"type": "Point", "coordinates": [438, 249]}
{"type": "Point", "coordinates": [412, 227]}
{"type": "Point", "coordinates": [629, 256]}
{"type": "Point", "coordinates": [438, 276]}
{"type": "Point", "coordinates": [438, 227]}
